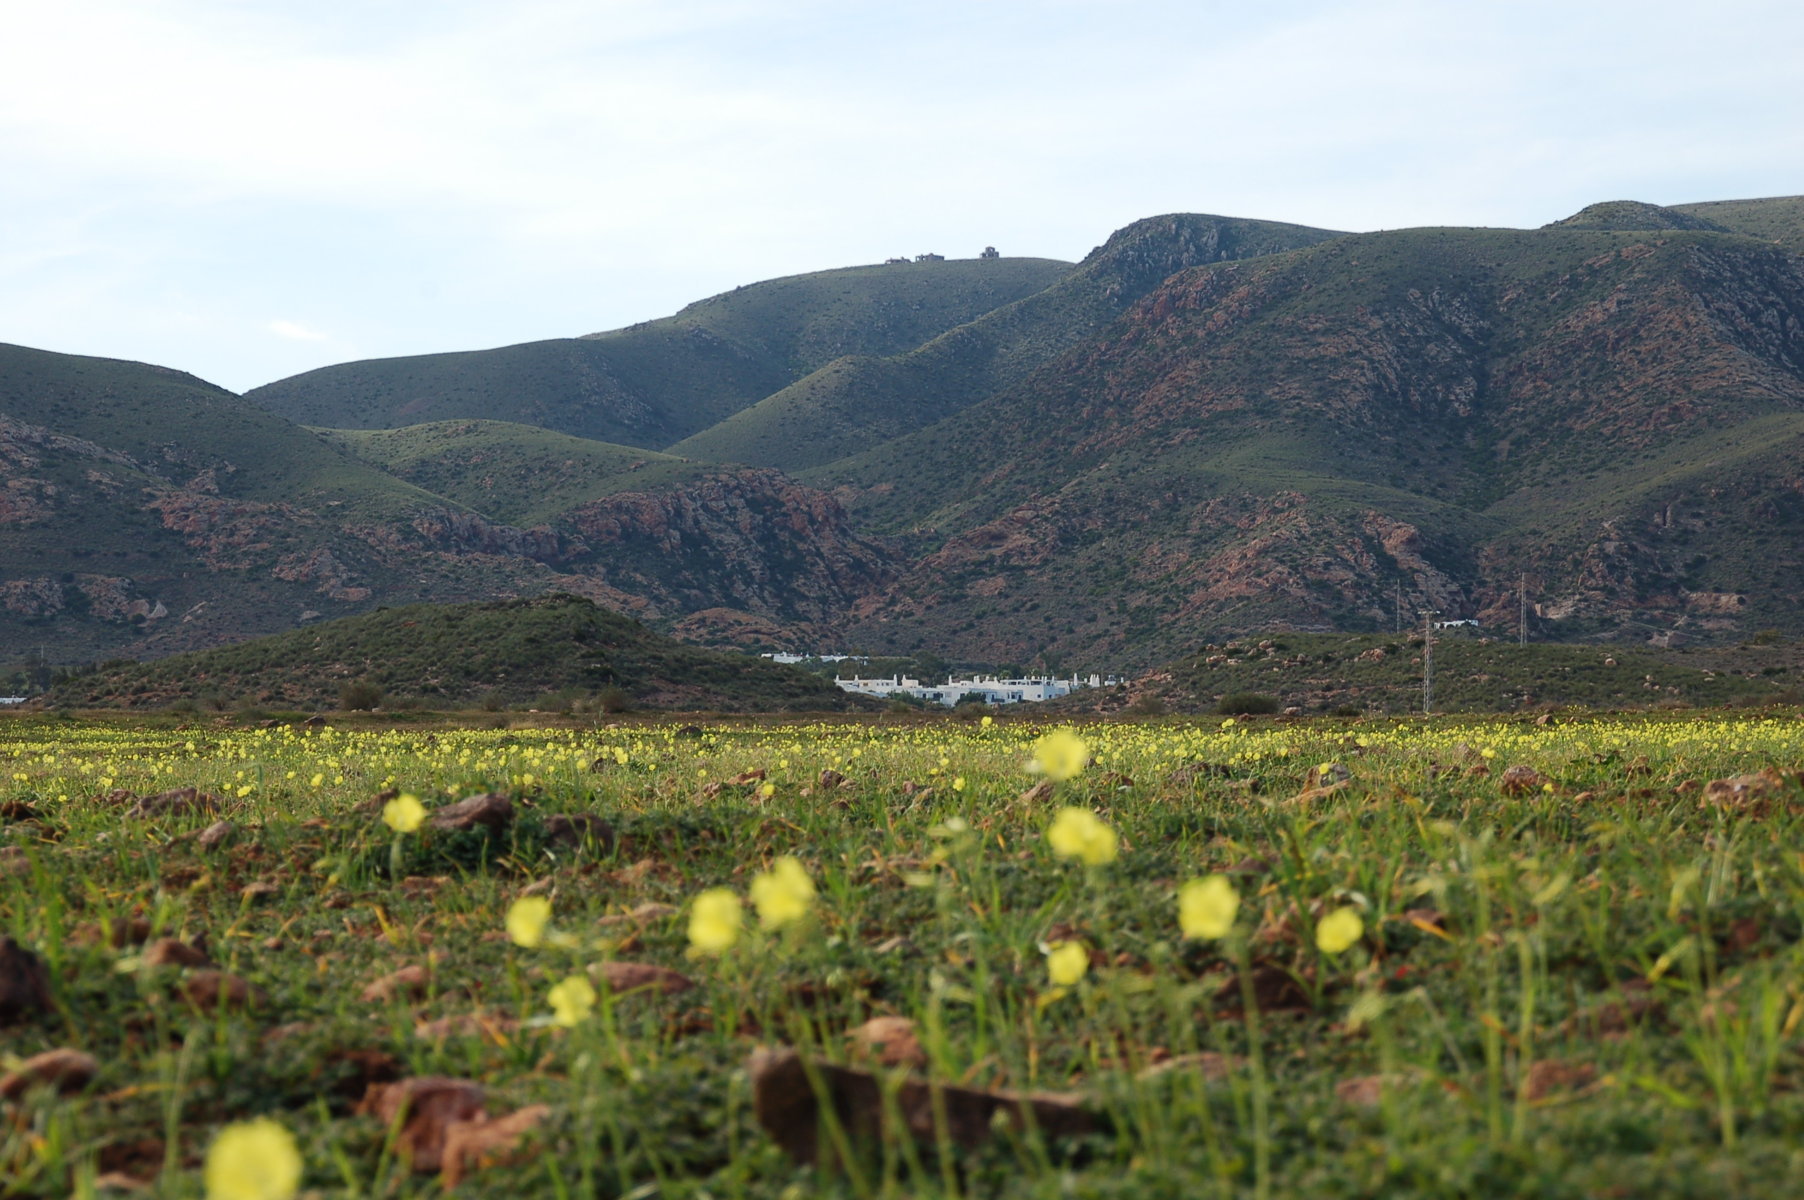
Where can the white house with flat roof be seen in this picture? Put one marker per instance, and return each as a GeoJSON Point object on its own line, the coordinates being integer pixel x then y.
{"type": "Point", "coordinates": [988, 688]}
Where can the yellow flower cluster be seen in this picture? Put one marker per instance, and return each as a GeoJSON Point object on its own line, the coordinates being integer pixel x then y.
{"type": "Point", "coordinates": [1079, 833]}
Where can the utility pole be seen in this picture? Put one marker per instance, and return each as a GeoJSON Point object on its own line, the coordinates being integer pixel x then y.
{"type": "Point", "coordinates": [1522, 600]}
{"type": "Point", "coordinates": [1428, 617]}
{"type": "Point", "coordinates": [1399, 606]}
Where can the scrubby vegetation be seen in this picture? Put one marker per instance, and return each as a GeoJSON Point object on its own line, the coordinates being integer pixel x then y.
{"type": "Point", "coordinates": [559, 648]}
{"type": "Point", "coordinates": [1252, 958]}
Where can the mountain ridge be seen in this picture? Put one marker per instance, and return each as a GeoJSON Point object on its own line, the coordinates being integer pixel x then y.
{"type": "Point", "coordinates": [1209, 427]}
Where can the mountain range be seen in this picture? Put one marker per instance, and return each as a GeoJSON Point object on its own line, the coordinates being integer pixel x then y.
{"type": "Point", "coordinates": [1209, 426]}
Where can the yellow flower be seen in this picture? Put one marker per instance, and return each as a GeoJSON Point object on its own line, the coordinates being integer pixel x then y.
{"type": "Point", "coordinates": [571, 1000]}
{"type": "Point", "coordinates": [1061, 753]}
{"type": "Point", "coordinates": [987, 722]}
{"type": "Point", "coordinates": [714, 921]}
{"type": "Point", "coordinates": [252, 1160]}
{"type": "Point", "coordinates": [1066, 962]}
{"type": "Point", "coordinates": [404, 813]}
{"type": "Point", "coordinates": [1338, 930]}
{"type": "Point", "coordinates": [1080, 833]}
{"type": "Point", "coordinates": [782, 894]}
{"type": "Point", "coordinates": [1206, 907]}
{"type": "Point", "coordinates": [526, 920]}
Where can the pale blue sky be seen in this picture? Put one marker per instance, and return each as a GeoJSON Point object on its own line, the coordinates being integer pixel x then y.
{"type": "Point", "coordinates": [245, 189]}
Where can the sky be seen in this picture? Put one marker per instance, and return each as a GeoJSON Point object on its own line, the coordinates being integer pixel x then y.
{"type": "Point", "coordinates": [247, 189]}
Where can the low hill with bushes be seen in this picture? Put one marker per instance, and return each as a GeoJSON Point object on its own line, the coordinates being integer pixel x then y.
{"type": "Point", "coordinates": [551, 652]}
{"type": "Point", "coordinates": [1350, 674]}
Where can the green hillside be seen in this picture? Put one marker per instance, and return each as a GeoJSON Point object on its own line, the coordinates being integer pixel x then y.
{"type": "Point", "coordinates": [655, 383]}
{"type": "Point", "coordinates": [1775, 219]}
{"type": "Point", "coordinates": [1472, 672]}
{"type": "Point", "coordinates": [201, 519]}
{"type": "Point", "coordinates": [1286, 440]}
{"type": "Point", "coordinates": [558, 647]}
{"type": "Point", "coordinates": [517, 474]}
{"type": "Point", "coordinates": [1209, 427]}
{"type": "Point", "coordinates": [1622, 216]}
{"type": "Point", "coordinates": [143, 508]}
{"type": "Point", "coordinates": [173, 426]}
{"type": "Point", "coordinates": [858, 402]}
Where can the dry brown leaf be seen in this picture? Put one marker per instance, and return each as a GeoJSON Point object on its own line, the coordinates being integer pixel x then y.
{"type": "Point", "coordinates": [1520, 780]}
{"type": "Point", "coordinates": [485, 1143]}
{"type": "Point", "coordinates": [173, 952]}
{"type": "Point", "coordinates": [490, 809]}
{"type": "Point", "coordinates": [119, 1181]}
{"type": "Point", "coordinates": [1274, 990]}
{"type": "Point", "coordinates": [24, 983]}
{"type": "Point", "coordinates": [1552, 1075]}
{"type": "Point", "coordinates": [1742, 935]}
{"type": "Point", "coordinates": [253, 892]}
{"type": "Point", "coordinates": [215, 835]}
{"type": "Point", "coordinates": [376, 803]}
{"type": "Point", "coordinates": [1367, 1091]}
{"type": "Point", "coordinates": [1311, 794]}
{"type": "Point", "coordinates": [120, 931]}
{"type": "Point", "coordinates": [624, 978]}
{"type": "Point", "coordinates": [14, 862]}
{"type": "Point", "coordinates": [1744, 791]}
{"type": "Point", "coordinates": [1614, 1018]}
{"type": "Point", "coordinates": [409, 983]}
{"type": "Point", "coordinates": [1039, 793]}
{"type": "Point", "coordinates": [889, 1041]}
{"type": "Point", "coordinates": [788, 1093]}
{"type": "Point", "coordinates": [175, 802]}
{"type": "Point", "coordinates": [63, 1069]}
{"type": "Point", "coordinates": [635, 874]}
{"type": "Point", "coordinates": [424, 1107]}
{"type": "Point", "coordinates": [577, 829]}
{"type": "Point", "coordinates": [361, 1067]}
{"type": "Point", "coordinates": [493, 1026]}
{"type": "Point", "coordinates": [211, 990]}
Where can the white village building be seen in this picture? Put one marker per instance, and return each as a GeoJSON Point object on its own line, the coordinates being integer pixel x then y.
{"type": "Point", "coordinates": [988, 689]}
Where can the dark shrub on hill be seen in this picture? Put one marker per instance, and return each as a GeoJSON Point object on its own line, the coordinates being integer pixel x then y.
{"type": "Point", "coordinates": [1247, 704]}
{"type": "Point", "coordinates": [359, 696]}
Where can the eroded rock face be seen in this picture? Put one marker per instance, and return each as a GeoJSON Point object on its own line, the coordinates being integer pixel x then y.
{"type": "Point", "coordinates": [751, 541]}
{"type": "Point", "coordinates": [103, 597]}
{"type": "Point", "coordinates": [461, 532]}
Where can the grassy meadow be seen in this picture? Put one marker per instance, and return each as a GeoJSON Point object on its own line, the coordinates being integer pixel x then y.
{"type": "Point", "coordinates": [1325, 958]}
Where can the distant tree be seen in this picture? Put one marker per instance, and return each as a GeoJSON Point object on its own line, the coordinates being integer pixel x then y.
{"type": "Point", "coordinates": [360, 696]}
{"type": "Point", "coordinates": [1247, 704]}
